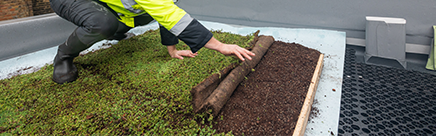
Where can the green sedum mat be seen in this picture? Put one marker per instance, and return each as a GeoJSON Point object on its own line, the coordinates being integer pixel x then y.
{"type": "Point", "coordinates": [133, 87]}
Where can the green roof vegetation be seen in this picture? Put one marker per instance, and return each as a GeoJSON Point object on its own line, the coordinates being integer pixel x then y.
{"type": "Point", "coordinates": [133, 87]}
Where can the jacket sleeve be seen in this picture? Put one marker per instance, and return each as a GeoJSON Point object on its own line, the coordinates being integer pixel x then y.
{"type": "Point", "coordinates": [178, 22]}
{"type": "Point", "coordinates": [167, 38]}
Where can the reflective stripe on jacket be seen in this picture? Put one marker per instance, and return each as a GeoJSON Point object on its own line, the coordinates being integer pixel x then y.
{"type": "Point", "coordinates": [167, 14]}
{"type": "Point", "coordinates": [163, 11]}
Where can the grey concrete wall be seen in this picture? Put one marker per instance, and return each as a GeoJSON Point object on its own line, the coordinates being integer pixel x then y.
{"type": "Point", "coordinates": [30, 34]}
{"type": "Point", "coordinates": [342, 15]}
{"type": "Point", "coordinates": [25, 35]}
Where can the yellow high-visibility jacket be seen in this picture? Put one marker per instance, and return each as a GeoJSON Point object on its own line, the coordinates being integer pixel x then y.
{"type": "Point", "coordinates": [167, 14]}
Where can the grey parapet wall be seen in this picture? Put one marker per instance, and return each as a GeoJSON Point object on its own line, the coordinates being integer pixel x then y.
{"type": "Point", "coordinates": [22, 36]}
{"type": "Point", "coordinates": [31, 34]}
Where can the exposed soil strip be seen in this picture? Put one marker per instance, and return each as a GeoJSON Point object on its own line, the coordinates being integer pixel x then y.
{"type": "Point", "coordinates": [270, 100]}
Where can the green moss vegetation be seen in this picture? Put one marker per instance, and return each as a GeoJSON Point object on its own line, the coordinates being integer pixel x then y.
{"type": "Point", "coordinates": [133, 87]}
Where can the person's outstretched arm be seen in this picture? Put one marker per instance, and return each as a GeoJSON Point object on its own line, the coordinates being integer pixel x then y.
{"type": "Point", "coordinates": [188, 29]}
{"type": "Point", "coordinates": [226, 49]}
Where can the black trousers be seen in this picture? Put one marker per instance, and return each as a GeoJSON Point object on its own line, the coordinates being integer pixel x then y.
{"type": "Point", "coordinates": [96, 21]}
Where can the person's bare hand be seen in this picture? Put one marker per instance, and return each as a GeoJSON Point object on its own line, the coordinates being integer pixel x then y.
{"type": "Point", "coordinates": [179, 54]}
{"type": "Point", "coordinates": [232, 49]}
{"type": "Point", "coordinates": [229, 49]}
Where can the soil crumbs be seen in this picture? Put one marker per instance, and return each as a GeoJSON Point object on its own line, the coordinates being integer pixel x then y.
{"type": "Point", "coordinates": [269, 101]}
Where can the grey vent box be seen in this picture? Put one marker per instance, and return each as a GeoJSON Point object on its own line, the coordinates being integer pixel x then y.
{"type": "Point", "coordinates": [385, 41]}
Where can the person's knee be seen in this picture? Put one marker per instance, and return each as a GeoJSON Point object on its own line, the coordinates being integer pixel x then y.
{"type": "Point", "coordinates": [106, 26]}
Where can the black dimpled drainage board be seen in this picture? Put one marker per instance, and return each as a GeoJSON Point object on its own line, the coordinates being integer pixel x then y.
{"type": "Point", "coordinates": [381, 101]}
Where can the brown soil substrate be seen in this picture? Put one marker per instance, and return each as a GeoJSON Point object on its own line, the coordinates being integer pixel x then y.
{"type": "Point", "coordinates": [269, 101]}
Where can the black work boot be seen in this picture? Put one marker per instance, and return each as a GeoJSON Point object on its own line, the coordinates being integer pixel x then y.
{"type": "Point", "coordinates": [64, 70]}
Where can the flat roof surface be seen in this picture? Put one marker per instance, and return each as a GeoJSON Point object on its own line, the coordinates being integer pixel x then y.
{"type": "Point", "coordinates": [330, 43]}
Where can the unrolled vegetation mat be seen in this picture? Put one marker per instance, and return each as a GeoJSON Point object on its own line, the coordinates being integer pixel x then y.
{"type": "Point", "coordinates": [133, 87]}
